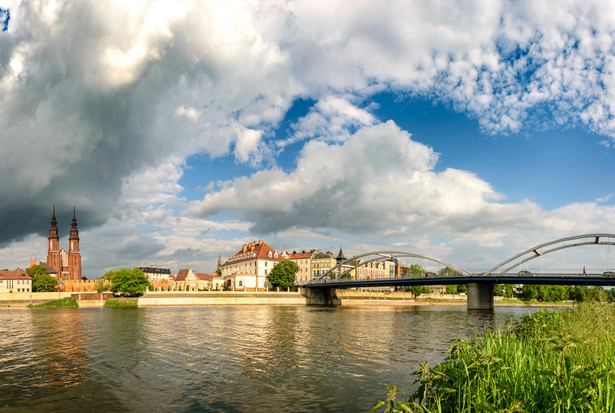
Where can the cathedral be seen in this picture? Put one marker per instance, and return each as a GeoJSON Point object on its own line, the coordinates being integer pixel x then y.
{"type": "Point", "coordinates": [67, 265]}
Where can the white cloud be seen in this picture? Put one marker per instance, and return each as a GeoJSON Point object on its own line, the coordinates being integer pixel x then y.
{"type": "Point", "coordinates": [378, 181]}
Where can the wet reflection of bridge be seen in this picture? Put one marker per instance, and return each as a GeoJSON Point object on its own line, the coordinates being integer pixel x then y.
{"type": "Point", "coordinates": [480, 286]}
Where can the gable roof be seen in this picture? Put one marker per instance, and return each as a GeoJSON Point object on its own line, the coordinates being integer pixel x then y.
{"type": "Point", "coordinates": [18, 274]}
{"type": "Point", "coordinates": [48, 268]}
{"type": "Point", "coordinates": [254, 251]}
{"type": "Point", "coordinates": [182, 274]}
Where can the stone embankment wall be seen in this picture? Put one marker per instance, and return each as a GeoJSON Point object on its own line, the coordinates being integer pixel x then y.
{"type": "Point", "coordinates": [198, 298]}
{"type": "Point", "coordinates": [23, 299]}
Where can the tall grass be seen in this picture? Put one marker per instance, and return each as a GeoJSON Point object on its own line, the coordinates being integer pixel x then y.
{"type": "Point", "coordinates": [550, 361]}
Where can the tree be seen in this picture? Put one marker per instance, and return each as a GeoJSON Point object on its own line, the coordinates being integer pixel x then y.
{"type": "Point", "coordinates": [417, 270]}
{"type": "Point", "coordinates": [283, 274]}
{"type": "Point", "coordinates": [451, 289]}
{"type": "Point", "coordinates": [417, 290]}
{"type": "Point", "coordinates": [503, 290]}
{"type": "Point", "coordinates": [41, 280]}
{"type": "Point", "coordinates": [129, 282]}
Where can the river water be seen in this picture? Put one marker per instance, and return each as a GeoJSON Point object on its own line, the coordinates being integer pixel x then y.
{"type": "Point", "coordinates": [223, 359]}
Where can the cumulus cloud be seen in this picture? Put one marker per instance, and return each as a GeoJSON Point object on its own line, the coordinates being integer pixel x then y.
{"type": "Point", "coordinates": [379, 181]}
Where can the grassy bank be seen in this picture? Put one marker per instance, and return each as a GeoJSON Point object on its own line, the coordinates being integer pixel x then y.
{"type": "Point", "coordinates": [64, 302]}
{"type": "Point", "coordinates": [550, 361]}
{"type": "Point", "coordinates": [121, 303]}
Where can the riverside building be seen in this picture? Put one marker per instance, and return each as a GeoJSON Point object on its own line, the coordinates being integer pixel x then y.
{"type": "Point", "coordinates": [249, 267]}
{"type": "Point", "coordinates": [15, 282]}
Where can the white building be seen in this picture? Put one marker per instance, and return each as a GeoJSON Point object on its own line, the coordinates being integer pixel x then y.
{"type": "Point", "coordinates": [15, 281]}
{"type": "Point", "coordinates": [249, 267]}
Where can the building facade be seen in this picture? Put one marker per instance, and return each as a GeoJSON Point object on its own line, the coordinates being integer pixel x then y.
{"type": "Point", "coordinates": [321, 263]}
{"type": "Point", "coordinates": [255, 260]}
{"type": "Point", "coordinates": [15, 281]}
{"type": "Point", "coordinates": [66, 265]}
{"type": "Point", "coordinates": [303, 260]}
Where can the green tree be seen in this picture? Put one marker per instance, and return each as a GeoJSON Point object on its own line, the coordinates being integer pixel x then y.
{"type": "Point", "coordinates": [417, 270]}
{"type": "Point", "coordinates": [129, 282]}
{"type": "Point", "coordinates": [448, 272]}
{"type": "Point", "coordinates": [529, 292]}
{"type": "Point", "coordinates": [283, 274]}
{"type": "Point", "coordinates": [417, 290]}
{"type": "Point", "coordinates": [451, 289]}
{"type": "Point", "coordinates": [503, 290]}
{"type": "Point", "coordinates": [41, 280]}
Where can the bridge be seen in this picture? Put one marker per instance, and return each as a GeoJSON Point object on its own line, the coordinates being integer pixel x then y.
{"type": "Point", "coordinates": [480, 285]}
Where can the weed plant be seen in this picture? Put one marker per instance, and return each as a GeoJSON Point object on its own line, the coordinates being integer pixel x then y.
{"type": "Point", "coordinates": [64, 302]}
{"type": "Point", "coordinates": [550, 361]}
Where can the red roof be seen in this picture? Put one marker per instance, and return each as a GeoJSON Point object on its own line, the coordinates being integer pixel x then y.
{"type": "Point", "coordinates": [181, 275]}
{"type": "Point", "coordinates": [205, 277]}
{"type": "Point", "coordinates": [254, 251]}
{"type": "Point", "coordinates": [300, 255]}
{"type": "Point", "coordinates": [15, 275]}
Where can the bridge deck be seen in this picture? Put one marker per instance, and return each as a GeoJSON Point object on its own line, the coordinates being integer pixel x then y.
{"type": "Point", "coordinates": [544, 279]}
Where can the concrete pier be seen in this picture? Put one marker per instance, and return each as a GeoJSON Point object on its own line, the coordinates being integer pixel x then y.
{"type": "Point", "coordinates": [480, 296]}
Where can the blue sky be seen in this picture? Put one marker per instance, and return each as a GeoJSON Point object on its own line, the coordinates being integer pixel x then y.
{"type": "Point", "coordinates": [183, 129]}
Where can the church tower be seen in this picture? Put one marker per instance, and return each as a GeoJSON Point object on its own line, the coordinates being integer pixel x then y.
{"type": "Point", "coordinates": [53, 253]}
{"type": "Point", "coordinates": [74, 255]}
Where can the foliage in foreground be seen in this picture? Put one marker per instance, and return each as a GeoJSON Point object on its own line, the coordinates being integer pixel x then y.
{"type": "Point", "coordinates": [121, 303]}
{"type": "Point", "coordinates": [551, 361]}
{"type": "Point", "coordinates": [64, 302]}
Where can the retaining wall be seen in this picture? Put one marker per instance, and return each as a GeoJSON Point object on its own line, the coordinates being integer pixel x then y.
{"type": "Point", "coordinates": [199, 298]}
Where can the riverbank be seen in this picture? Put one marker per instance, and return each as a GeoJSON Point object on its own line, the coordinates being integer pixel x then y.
{"type": "Point", "coordinates": [345, 298]}
{"type": "Point", "coordinates": [550, 361]}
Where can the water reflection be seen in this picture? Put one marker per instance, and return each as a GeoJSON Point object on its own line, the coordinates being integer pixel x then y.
{"type": "Point", "coordinates": [244, 358]}
{"type": "Point", "coordinates": [59, 339]}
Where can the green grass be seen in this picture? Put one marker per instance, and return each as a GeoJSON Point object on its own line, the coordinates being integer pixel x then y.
{"type": "Point", "coordinates": [550, 361]}
{"type": "Point", "coordinates": [120, 303]}
{"type": "Point", "coordinates": [64, 302]}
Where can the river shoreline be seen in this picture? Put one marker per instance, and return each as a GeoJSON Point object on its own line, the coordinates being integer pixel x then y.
{"type": "Point", "coordinates": [347, 298]}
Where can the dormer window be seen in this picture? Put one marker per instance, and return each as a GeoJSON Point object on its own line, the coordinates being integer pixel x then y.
{"type": "Point", "coordinates": [269, 254]}
{"type": "Point", "coordinates": [275, 255]}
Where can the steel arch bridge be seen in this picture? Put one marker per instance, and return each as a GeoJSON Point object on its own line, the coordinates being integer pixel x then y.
{"type": "Point", "coordinates": [352, 264]}
{"type": "Point", "coordinates": [549, 247]}
{"type": "Point", "coordinates": [382, 256]}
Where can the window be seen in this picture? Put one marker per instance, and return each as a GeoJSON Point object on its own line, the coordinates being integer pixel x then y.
{"type": "Point", "coordinates": [240, 283]}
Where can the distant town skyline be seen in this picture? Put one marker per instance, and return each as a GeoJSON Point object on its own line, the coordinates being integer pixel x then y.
{"type": "Point", "coordinates": [184, 130]}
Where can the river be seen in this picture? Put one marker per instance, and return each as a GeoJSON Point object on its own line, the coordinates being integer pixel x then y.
{"type": "Point", "coordinates": [223, 358]}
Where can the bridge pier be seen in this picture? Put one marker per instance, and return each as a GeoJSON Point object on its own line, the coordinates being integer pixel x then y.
{"type": "Point", "coordinates": [480, 296]}
{"type": "Point", "coordinates": [320, 296]}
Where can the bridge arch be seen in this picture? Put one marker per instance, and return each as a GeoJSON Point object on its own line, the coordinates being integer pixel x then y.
{"type": "Point", "coordinates": [543, 249]}
{"type": "Point", "coordinates": [387, 255]}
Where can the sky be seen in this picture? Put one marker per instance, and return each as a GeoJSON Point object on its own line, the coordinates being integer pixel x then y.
{"type": "Point", "coordinates": [180, 130]}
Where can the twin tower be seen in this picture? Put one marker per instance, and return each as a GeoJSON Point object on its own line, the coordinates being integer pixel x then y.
{"type": "Point", "coordinates": [67, 265]}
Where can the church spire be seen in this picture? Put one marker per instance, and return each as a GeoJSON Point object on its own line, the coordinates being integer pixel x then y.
{"type": "Point", "coordinates": [74, 231]}
{"type": "Point", "coordinates": [53, 228]}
